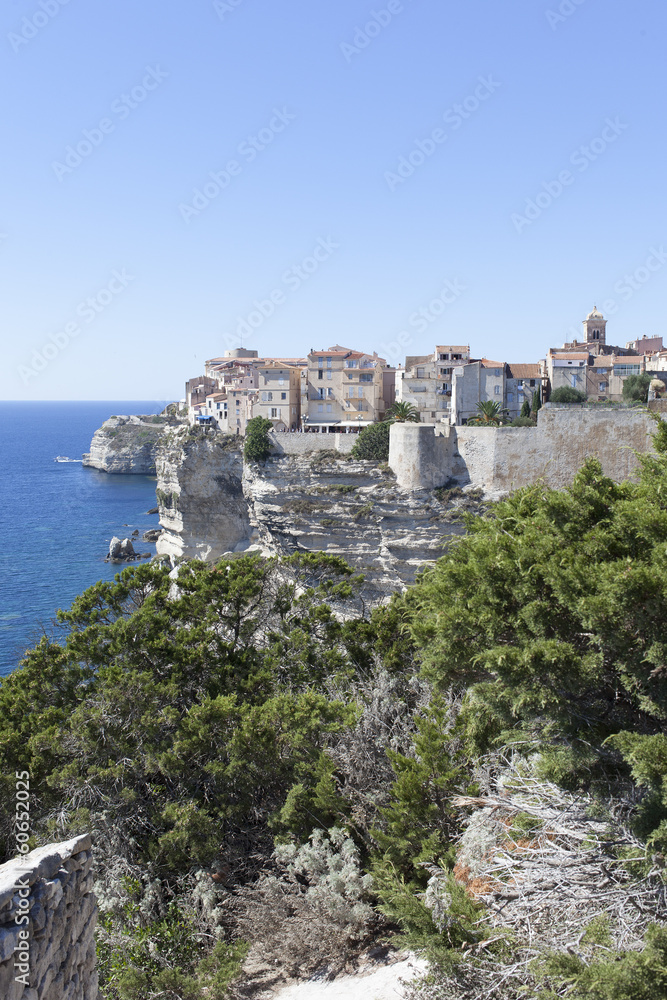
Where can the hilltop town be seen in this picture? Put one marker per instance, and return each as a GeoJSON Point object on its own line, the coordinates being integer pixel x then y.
{"type": "Point", "coordinates": [340, 390]}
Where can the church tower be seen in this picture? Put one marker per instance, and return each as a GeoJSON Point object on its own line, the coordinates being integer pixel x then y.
{"type": "Point", "coordinates": [595, 329]}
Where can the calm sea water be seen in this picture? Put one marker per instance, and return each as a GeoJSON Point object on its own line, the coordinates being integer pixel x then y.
{"type": "Point", "coordinates": [56, 519]}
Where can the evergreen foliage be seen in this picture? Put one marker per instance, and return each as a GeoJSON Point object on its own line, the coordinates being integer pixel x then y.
{"type": "Point", "coordinates": [566, 394]}
{"type": "Point", "coordinates": [373, 442]}
{"type": "Point", "coordinates": [635, 387]}
{"type": "Point", "coordinates": [257, 447]}
{"type": "Point", "coordinates": [525, 408]}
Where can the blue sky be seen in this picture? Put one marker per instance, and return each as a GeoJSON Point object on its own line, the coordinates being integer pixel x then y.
{"type": "Point", "coordinates": [386, 176]}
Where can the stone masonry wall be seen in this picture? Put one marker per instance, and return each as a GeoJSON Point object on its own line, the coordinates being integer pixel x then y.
{"type": "Point", "coordinates": [48, 915]}
{"type": "Point", "coordinates": [506, 458]}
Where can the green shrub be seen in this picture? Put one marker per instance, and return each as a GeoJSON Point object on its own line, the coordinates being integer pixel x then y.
{"type": "Point", "coordinates": [523, 422]}
{"type": "Point", "coordinates": [373, 442]}
{"type": "Point", "coordinates": [257, 447]}
{"type": "Point", "coordinates": [565, 394]}
{"type": "Point", "coordinates": [635, 387]}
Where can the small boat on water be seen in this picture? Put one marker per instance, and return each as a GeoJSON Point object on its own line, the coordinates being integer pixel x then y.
{"type": "Point", "coordinates": [63, 458]}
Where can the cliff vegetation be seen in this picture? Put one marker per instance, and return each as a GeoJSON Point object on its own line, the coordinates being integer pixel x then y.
{"type": "Point", "coordinates": [273, 768]}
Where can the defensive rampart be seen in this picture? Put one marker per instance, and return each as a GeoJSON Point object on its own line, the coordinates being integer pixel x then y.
{"type": "Point", "coordinates": [505, 458]}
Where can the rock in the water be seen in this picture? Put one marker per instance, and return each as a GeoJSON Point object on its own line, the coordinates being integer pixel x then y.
{"type": "Point", "coordinates": [152, 535]}
{"type": "Point", "coordinates": [121, 551]}
{"type": "Point", "coordinates": [153, 510]}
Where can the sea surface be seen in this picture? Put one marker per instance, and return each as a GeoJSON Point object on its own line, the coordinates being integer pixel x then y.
{"type": "Point", "coordinates": [56, 519]}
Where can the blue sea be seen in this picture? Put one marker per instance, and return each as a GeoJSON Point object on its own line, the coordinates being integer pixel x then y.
{"type": "Point", "coordinates": [56, 519]}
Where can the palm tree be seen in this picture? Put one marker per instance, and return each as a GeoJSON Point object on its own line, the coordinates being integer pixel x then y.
{"type": "Point", "coordinates": [402, 412]}
{"type": "Point", "coordinates": [489, 414]}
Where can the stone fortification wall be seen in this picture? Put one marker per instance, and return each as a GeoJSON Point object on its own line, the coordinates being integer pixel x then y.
{"type": "Point", "coordinates": [48, 915]}
{"type": "Point", "coordinates": [305, 444]}
{"type": "Point", "coordinates": [506, 458]}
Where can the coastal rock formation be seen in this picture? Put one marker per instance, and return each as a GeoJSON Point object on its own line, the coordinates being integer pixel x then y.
{"type": "Point", "coordinates": [353, 509]}
{"type": "Point", "coordinates": [126, 445]}
{"type": "Point", "coordinates": [212, 505]}
{"type": "Point", "coordinates": [123, 551]}
{"type": "Point", "coordinates": [202, 508]}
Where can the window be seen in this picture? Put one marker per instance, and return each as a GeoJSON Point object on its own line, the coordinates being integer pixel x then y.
{"type": "Point", "coordinates": [351, 392]}
{"type": "Point", "coordinates": [320, 375]}
{"type": "Point", "coordinates": [320, 407]}
{"type": "Point", "coordinates": [445, 386]}
{"type": "Point", "coordinates": [510, 397]}
{"type": "Point", "coordinates": [270, 395]}
{"type": "Point", "coordinates": [602, 386]}
{"type": "Point", "coordinates": [421, 373]}
{"type": "Point", "coordinates": [350, 364]}
{"type": "Point", "coordinates": [294, 411]}
{"type": "Point", "coordinates": [328, 407]}
{"type": "Point", "coordinates": [320, 362]}
{"type": "Point", "coordinates": [626, 370]}
{"type": "Point", "coordinates": [329, 375]}
{"type": "Point", "coordinates": [601, 371]}
{"type": "Point", "coordinates": [496, 372]}
{"type": "Point", "coordinates": [532, 382]}
{"type": "Point", "coordinates": [330, 393]}
{"type": "Point", "coordinates": [445, 371]}
{"type": "Point", "coordinates": [320, 393]}
{"type": "Point", "coordinates": [283, 395]}
{"type": "Point", "coordinates": [360, 392]}
{"type": "Point", "coordinates": [365, 378]}
{"type": "Point", "coordinates": [496, 390]}
{"type": "Point", "coordinates": [328, 362]}
{"type": "Point", "coordinates": [281, 381]}
{"type": "Point", "coordinates": [573, 378]}
{"type": "Point", "coordinates": [275, 413]}
{"type": "Point", "coordinates": [265, 396]}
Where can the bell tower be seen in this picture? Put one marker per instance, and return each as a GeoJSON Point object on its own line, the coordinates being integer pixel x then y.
{"type": "Point", "coordinates": [595, 329]}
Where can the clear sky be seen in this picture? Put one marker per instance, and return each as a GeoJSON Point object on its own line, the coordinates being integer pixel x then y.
{"type": "Point", "coordinates": [388, 176]}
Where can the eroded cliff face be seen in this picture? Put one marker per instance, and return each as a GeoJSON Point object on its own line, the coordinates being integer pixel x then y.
{"type": "Point", "coordinates": [200, 497]}
{"type": "Point", "coordinates": [126, 445]}
{"type": "Point", "coordinates": [211, 504]}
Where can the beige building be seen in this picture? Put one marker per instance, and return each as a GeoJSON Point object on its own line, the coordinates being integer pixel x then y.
{"type": "Point", "coordinates": [344, 390]}
{"type": "Point", "coordinates": [426, 381]}
{"type": "Point", "coordinates": [278, 396]}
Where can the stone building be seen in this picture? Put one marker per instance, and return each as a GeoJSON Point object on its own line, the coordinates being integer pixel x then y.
{"type": "Point", "coordinates": [521, 381]}
{"type": "Point", "coordinates": [278, 396]}
{"type": "Point", "coordinates": [344, 390]}
{"type": "Point", "coordinates": [426, 381]}
{"type": "Point", "coordinates": [475, 382]}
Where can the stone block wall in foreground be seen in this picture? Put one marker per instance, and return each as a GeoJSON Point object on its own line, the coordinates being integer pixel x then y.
{"type": "Point", "coordinates": [48, 915]}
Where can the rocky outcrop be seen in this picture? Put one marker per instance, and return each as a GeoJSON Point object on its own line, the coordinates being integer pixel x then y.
{"type": "Point", "coordinates": [349, 508]}
{"type": "Point", "coordinates": [126, 445]}
{"type": "Point", "coordinates": [123, 551]}
{"type": "Point", "coordinates": [212, 505]}
{"type": "Point", "coordinates": [203, 511]}
{"type": "Point", "coordinates": [48, 915]}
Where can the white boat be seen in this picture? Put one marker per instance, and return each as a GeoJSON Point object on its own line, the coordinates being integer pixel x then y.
{"type": "Point", "coordinates": [63, 458]}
